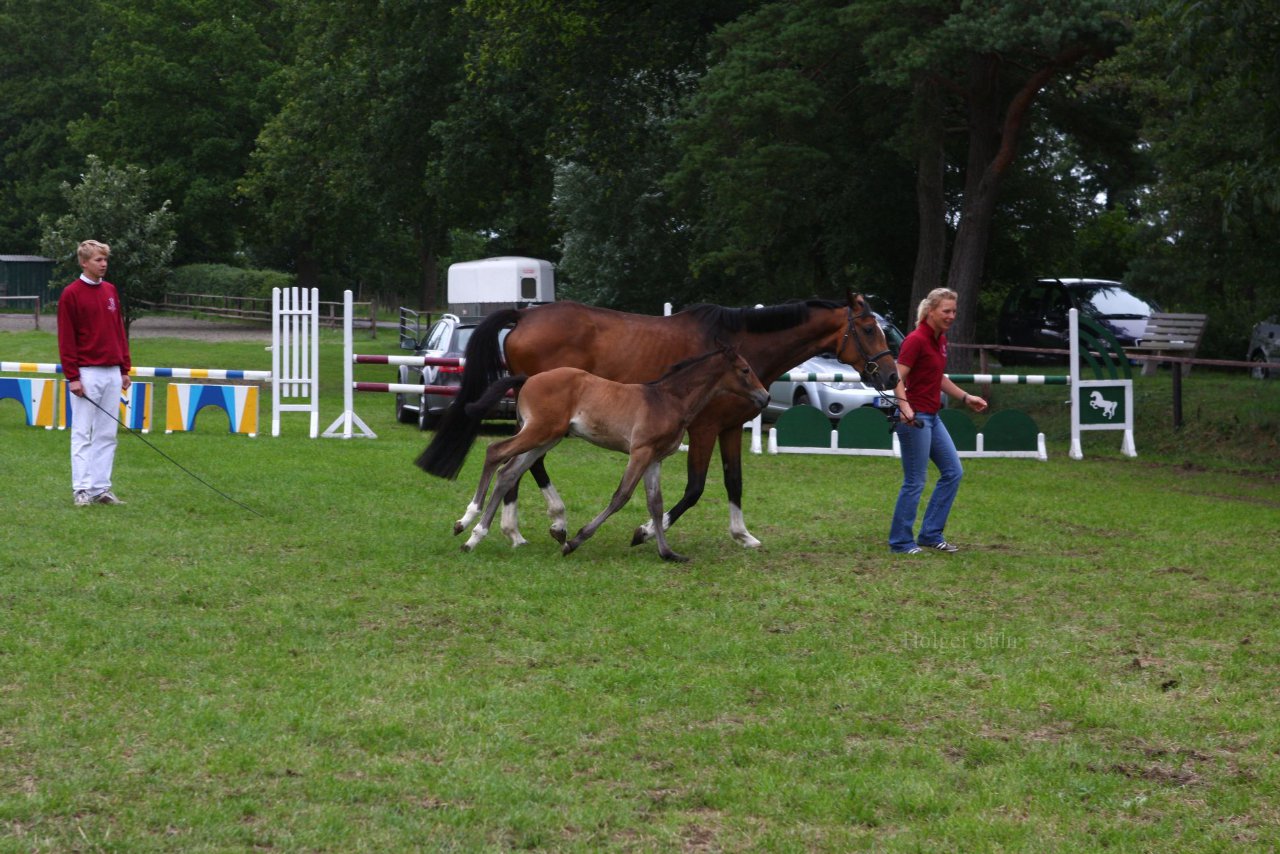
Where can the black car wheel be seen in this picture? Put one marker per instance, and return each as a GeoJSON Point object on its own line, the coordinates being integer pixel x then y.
{"type": "Point", "coordinates": [426, 421]}
{"type": "Point", "coordinates": [403, 415]}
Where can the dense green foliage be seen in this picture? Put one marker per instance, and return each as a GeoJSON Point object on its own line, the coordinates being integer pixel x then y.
{"type": "Point", "coordinates": [736, 151]}
{"type": "Point", "coordinates": [111, 203]}
{"type": "Point", "coordinates": [224, 279]}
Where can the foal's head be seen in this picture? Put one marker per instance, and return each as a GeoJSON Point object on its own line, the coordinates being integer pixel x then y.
{"type": "Point", "coordinates": [720, 371]}
{"type": "Point", "coordinates": [864, 346]}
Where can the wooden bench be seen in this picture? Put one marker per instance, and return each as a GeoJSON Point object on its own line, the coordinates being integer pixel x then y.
{"type": "Point", "coordinates": [1170, 334]}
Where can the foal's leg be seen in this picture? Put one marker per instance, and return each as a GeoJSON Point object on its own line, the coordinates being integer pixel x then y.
{"type": "Point", "coordinates": [635, 468]}
{"type": "Point", "coordinates": [510, 473]}
{"type": "Point", "coordinates": [653, 495]}
{"type": "Point", "coordinates": [493, 457]}
{"type": "Point", "coordinates": [555, 507]}
{"type": "Point", "coordinates": [699, 457]}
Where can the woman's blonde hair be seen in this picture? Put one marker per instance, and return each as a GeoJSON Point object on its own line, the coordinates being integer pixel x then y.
{"type": "Point", "coordinates": [930, 302]}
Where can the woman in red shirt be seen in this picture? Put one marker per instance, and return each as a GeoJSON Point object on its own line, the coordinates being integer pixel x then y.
{"type": "Point", "coordinates": [922, 362]}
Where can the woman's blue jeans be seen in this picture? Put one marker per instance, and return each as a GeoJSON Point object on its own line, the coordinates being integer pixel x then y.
{"type": "Point", "coordinates": [919, 446]}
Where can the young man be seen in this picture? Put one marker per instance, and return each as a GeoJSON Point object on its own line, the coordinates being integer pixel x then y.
{"type": "Point", "coordinates": [95, 363]}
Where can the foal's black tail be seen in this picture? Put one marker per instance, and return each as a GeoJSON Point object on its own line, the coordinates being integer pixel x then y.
{"type": "Point", "coordinates": [493, 394]}
{"type": "Point", "coordinates": [458, 430]}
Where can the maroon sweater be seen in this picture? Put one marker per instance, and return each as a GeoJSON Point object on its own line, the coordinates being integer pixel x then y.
{"type": "Point", "coordinates": [91, 329]}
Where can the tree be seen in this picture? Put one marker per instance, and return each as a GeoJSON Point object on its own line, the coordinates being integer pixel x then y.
{"type": "Point", "coordinates": [187, 87]}
{"type": "Point", "coordinates": [789, 186]}
{"type": "Point", "coordinates": [110, 205]}
{"type": "Point", "coordinates": [986, 65]}
{"type": "Point", "coordinates": [41, 92]}
{"type": "Point", "coordinates": [1204, 77]}
{"type": "Point", "coordinates": [341, 172]}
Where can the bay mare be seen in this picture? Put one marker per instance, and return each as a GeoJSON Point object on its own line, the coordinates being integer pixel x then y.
{"type": "Point", "coordinates": [645, 421]}
{"type": "Point", "coordinates": [633, 348]}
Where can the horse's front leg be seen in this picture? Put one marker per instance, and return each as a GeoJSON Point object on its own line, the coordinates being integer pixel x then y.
{"type": "Point", "coordinates": [731, 461]}
{"type": "Point", "coordinates": [636, 466]}
{"type": "Point", "coordinates": [653, 495]}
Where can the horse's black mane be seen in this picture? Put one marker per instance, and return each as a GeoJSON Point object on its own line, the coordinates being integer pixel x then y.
{"type": "Point", "coordinates": [771, 318]}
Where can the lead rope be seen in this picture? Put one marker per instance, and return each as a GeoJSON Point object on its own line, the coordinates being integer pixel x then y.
{"type": "Point", "coordinates": [172, 460]}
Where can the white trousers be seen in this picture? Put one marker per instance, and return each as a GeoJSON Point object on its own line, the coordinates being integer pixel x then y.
{"type": "Point", "coordinates": [93, 432]}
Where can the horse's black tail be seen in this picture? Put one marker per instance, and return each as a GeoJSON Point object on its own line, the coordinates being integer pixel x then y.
{"type": "Point", "coordinates": [458, 430]}
{"type": "Point", "coordinates": [493, 394]}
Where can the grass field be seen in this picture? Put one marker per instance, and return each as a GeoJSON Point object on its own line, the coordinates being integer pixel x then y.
{"type": "Point", "coordinates": [1097, 668]}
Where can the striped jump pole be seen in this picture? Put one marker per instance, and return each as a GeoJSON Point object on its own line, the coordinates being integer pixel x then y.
{"type": "Point", "coordinates": [407, 361]}
{"type": "Point", "coordinates": [1011, 379]}
{"type": "Point", "coordinates": [174, 373]}
{"type": "Point", "coordinates": [347, 423]}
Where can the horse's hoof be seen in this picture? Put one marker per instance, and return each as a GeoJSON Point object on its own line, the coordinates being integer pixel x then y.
{"type": "Point", "coordinates": [458, 528]}
{"type": "Point", "coordinates": [466, 547]}
{"type": "Point", "coordinates": [569, 548]}
{"type": "Point", "coordinates": [675, 558]}
{"type": "Point", "coordinates": [639, 538]}
{"type": "Point", "coordinates": [559, 535]}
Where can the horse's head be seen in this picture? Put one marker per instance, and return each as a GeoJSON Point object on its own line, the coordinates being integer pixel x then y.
{"type": "Point", "coordinates": [740, 379]}
{"type": "Point", "coordinates": [864, 346]}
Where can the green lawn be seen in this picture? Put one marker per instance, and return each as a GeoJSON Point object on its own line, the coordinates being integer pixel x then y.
{"type": "Point", "coordinates": [1097, 668]}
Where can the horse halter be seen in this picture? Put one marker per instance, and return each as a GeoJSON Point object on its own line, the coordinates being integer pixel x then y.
{"type": "Point", "coordinates": [869, 367]}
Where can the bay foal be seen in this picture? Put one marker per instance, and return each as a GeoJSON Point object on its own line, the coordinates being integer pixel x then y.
{"type": "Point", "coordinates": [646, 421]}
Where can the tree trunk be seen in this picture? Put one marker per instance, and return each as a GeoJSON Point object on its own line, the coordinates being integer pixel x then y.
{"type": "Point", "coordinates": [429, 269]}
{"type": "Point", "coordinates": [308, 268]}
{"type": "Point", "coordinates": [993, 141]}
{"type": "Point", "coordinates": [931, 201]}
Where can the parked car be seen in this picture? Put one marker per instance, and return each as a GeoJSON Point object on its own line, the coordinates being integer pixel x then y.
{"type": "Point", "coordinates": [1264, 345]}
{"type": "Point", "coordinates": [446, 338]}
{"type": "Point", "coordinates": [1035, 314]}
{"type": "Point", "coordinates": [833, 399]}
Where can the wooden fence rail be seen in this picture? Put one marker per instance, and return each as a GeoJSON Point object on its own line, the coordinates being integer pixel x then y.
{"type": "Point", "coordinates": [254, 308]}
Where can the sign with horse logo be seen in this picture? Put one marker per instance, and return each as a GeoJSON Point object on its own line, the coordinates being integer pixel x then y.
{"type": "Point", "coordinates": [1102, 405]}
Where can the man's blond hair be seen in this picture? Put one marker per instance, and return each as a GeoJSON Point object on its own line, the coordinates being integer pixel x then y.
{"type": "Point", "coordinates": [90, 248]}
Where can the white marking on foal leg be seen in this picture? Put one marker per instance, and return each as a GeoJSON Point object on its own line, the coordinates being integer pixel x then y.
{"type": "Point", "coordinates": [646, 530]}
{"type": "Point", "coordinates": [738, 528]}
{"type": "Point", "coordinates": [510, 524]}
{"type": "Point", "coordinates": [556, 511]}
{"type": "Point", "coordinates": [473, 510]}
{"type": "Point", "coordinates": [477, 534]}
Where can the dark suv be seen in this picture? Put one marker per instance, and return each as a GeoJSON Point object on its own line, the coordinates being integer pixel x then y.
{"type": "Point", "coordinates": [446, 338]}
{"type": "Point", "coordinates": [1035, 314]}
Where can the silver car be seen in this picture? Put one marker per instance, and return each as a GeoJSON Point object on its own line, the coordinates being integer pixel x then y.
{"type": "Point", "coordinates": [1264, 346]}
{"type": "Point", "coordinates": [446, 338]}
{"type": "Point", "coordinates": [833, 399]}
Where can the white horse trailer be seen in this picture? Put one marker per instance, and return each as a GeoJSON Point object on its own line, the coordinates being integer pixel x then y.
{"type": "Point", "coordinates": [477, 288]}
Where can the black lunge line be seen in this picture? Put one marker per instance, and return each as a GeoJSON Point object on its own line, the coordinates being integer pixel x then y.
{"type": "Point", "coordinates": [171, 459]}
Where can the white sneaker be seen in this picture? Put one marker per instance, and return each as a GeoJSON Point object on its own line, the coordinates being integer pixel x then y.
{"type": "Point", "coordinates": [107, 497]}
{"type": "Point", "coordinates": [82, 498]}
